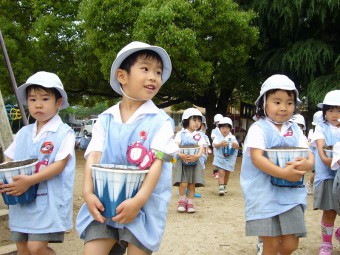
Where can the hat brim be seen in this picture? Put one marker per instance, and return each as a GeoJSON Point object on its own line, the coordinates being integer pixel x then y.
{"type": "Point", "coordinates": [21, 93]}
{"type": "Point", "coordinates": [167, 67]}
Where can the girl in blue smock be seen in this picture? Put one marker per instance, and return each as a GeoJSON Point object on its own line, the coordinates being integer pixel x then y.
{"type": "Point", "coordinates": [188, 170]}
{"type": "Point", "coordinates": [137, 74]}
{"type": "Point", "coordinates": [326, 133]}
{"type": "Point", "coordinates": [45, 219]}
{"type": "Point", "coordinates": [226, 149]}
{"type": "Point", "coordinates": [274, 213]}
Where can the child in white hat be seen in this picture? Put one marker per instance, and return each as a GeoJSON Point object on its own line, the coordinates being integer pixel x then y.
{"type": "Point", "coordinates": [274, 213]}
{"type": "Point", "coordinates": [133, 124]}
{"type": "Point", "coordinates": [188, 170]}
{"type": "Point", "coordinates": [326, 133]}
{"type": "Point", "coordinates": [226, 149]}
{"type": "Point", "coordinates": [45, 219]}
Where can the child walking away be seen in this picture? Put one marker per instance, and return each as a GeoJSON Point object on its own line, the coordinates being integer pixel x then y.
{"type": "Point", "coordinates": [46, 219]}
{"type": "Point", "coordinates": [213, 134]}
{"type": "Point", "coordinates": [226, 149]}
{"type": "Point", "coordinates": [317, 118]}
{"type": "Point", "coordinates": [275, 213]}
{"type": "Point", "coordinates": [188, 170]}
{"type": "Point", "coordinates": [326, 134]}
{"type": "Point", "coordinates": [134, 123]}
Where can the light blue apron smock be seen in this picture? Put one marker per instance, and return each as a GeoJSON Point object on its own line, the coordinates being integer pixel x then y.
{"type": "Point", "coordinates": [149, 224]}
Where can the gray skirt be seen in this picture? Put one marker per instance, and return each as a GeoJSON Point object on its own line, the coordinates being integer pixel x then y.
{"type": "Point", "coordinates": [291, 222]}
{"type": "Point", "coordinates": [323, 197]}
{"type": "Point", "coordinates": [188, 174]}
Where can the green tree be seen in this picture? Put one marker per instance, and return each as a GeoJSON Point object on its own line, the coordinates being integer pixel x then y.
{"type": "Point", "coordinates": [301, 39]}
{"type": "Point", "coordinates": [209, 43]}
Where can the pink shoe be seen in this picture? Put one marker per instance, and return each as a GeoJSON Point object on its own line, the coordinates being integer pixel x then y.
{"type": "Point", "coordinates": [326, 249]}
{"type": "Point", "coordinates": [191, 208]}
{"type": "Point", "coordinates": [182, 206]}
{"type": "Point", "coordinates": [337, 234]}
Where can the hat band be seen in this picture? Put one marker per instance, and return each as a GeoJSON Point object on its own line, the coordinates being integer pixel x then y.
{"type": "Point", "coordinates": [131, 98]}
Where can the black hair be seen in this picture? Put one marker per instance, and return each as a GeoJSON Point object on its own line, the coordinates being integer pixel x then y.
{"type": "Point", "coordinates": [132, 59]}
{"type": "Point", "coordinates": [224, 125]}
{"type": "Point", "coordinates": [51, 91]}
{"type": "Point", "coordinates": [327, 107]}
{"type": "Point", "coordinates": [260, 109]}
{"type": "Point", "coordinates": [185, 122]}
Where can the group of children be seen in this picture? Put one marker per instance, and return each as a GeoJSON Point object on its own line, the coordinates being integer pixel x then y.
{"type": "Point", "coordinates": [275, 214]}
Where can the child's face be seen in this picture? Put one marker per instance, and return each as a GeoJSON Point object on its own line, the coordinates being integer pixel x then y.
{"type": "Point", "coordinates": [280, 106]}
{"type": "Point", "coordinates": [144, 79]}
{"type": "Point", "coordinates": [194, 123]}
{"type": "Point", "coordinates": [332, 116]}
{"type": "Point", "coordinates": [42, 105]}
{"type": "Point", "coordinates": [225, 130]}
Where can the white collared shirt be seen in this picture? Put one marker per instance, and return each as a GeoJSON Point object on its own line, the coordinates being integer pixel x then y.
{"type": "Point", "coordinates": [52, 125]}
{"type": "Point", "coordinates": [255, 136]}
{"type": "Point", "coordinates": [162, 141]}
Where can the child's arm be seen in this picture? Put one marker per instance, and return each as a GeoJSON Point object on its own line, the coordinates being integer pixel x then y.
{"type": "Point", "coordinates": [290, 172]}
{"type": "Point", "coordinates": [93, 203]}
{"type": "Point", "coordinates": [217, 145]}
{"type": "Point", "coordinates": [320, 143]}
{"type": "Point", "coordinates": [22, 182]}
{"type": "Point", "coordinates": [128, 209]}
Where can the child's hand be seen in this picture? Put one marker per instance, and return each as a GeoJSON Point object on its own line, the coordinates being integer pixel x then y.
{"type": "Point", "coordinates": [126, 211]}
{"type": "Point", "coordinates": [224, 143]}
{"type": "Point", "coordinates": [192, 158]}
{"type": "Point", "coordinates": [292, 173]}
{"type": "Point", "coordinates": [95, 207]}
{"type": "Point", "coordinates": [235, 145]}
{"type": "Point", "coordinates": [20, 184]}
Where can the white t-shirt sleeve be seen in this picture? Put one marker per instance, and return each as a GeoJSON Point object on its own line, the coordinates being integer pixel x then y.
{"type": "Point", "coordinates": [254, 139]}
{"type": "Point", "coordinates": [164, 140]}
{"type": "Point", "coordinates": [216, 141]}
{"type": "Point", "coordinates": [66, 147]}
{"type": "Point", "coordinates": [318, 134]}
{"type": "Point", "coordinates": [10, 151]}
{"type": "Point", "coordinates": [97, 140]}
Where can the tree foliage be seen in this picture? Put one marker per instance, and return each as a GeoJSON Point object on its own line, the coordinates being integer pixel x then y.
{"type": "Point", "coordinates": [209, 55]}
{"type": "Point", "coordinates": [301, 39]}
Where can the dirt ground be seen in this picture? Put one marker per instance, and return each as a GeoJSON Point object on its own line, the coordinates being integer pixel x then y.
{"type": "Point", "coordinates": [216, 228]}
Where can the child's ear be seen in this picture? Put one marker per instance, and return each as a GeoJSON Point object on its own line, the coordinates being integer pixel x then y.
{"type": "Point", "coordinates": [121, 76]}
{"type": "Point", "coordinates": [59, 103]}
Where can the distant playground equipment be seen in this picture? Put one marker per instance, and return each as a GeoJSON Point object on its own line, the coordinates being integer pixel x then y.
{"type": "Point", "coordinates": [14, 115]}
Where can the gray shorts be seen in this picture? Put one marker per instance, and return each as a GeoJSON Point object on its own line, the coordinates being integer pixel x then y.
{"type": "Point", "coordinates": [287, 223]}
{"type": "Point", "coordinates": [97, 230]}
{"type": "Point", "coordinates": [57, 237]}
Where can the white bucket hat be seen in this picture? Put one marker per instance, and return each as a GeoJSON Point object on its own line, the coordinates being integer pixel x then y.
{"type": "Point", "coordinates": [191, 112]}
{"type": "Point", "coordinates": [277, 81]}
{"type": "Point", "coordinates": [46, 80]}
{"type": "Point", "coordinates": [331, 98]}
{"type": "Point", "coordinates": [132, 48]}
{"type": "Point", "coordinates": [226, 120]}
{"type": "Point", "coordinates": [299, 119]}
{"type": "Point", "coordinates": [218, 117]}
{"type": "Point", "coordinates": [317, 118]}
